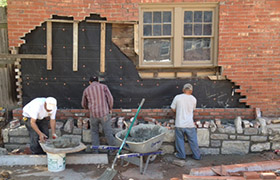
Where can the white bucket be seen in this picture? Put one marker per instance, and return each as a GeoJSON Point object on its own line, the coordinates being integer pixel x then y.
{"type": "Point", "coordinates": [56, 162]}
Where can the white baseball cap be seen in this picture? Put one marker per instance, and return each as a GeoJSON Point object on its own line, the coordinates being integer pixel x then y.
{"type": "Point", "coordinates": [51, 103]}
{"type": "Point", "coordinates": [188, 87]}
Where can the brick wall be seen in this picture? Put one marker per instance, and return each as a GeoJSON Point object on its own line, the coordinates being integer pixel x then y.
{"type": "Point", "coordinates": [160, 114]}
{"type": "Point", "coordinates": [249, 45]}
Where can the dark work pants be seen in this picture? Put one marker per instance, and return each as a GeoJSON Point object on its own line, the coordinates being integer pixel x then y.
{"type": "Point", "coordinates": [43, 125]}
{"type": "Point", "coordinates": [107, 128]}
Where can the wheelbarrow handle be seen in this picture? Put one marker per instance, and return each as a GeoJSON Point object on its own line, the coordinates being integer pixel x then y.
{"type": "Point", "coordinates": [128, 131]}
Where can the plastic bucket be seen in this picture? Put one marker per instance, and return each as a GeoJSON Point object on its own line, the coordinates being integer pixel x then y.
{"type": "Point", "coordinates": [56, 162]}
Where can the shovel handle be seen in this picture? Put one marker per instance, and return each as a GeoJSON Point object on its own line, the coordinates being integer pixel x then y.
{"type": "Point", "coordinates": [128, 131]}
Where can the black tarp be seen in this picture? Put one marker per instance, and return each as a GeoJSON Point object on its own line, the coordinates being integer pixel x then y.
{"type": "Point", "coordinates": [121, 75]}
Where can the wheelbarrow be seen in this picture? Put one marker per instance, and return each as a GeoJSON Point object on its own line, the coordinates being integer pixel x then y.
{"type": "Point", "coordinates": [149, 147]}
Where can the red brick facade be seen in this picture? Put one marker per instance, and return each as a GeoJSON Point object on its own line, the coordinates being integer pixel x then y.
{"type": "Point", "coordinates": [249, 45]}
{"type": "Point", "coordinates": [160, 114]}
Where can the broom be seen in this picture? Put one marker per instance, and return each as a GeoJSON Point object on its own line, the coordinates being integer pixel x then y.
{"type": "Point", "coordinates": [111, 172]}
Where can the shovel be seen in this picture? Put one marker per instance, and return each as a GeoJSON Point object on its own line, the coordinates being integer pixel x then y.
{"type": "Point", "coordinates": [111, 172]}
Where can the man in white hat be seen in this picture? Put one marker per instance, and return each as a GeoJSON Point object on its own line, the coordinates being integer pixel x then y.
{"type": "Point", "coordinates": [183, 105]}
{"type": "Point", "coordinates": [34, 117]}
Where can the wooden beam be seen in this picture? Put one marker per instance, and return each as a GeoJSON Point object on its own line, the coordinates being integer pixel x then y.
{"type": "Point", "coordinates": [102, 46]}
{"type": "Point", "coordinates": [112, 22]}
{"type": "Point", "coordinates": [92, 21]}
{"type": "Point", "coordinates": [49, 45]}
{"type": "Point", "coordinates": [75, 46]}
{"type": "Point", "coordinates": [136, 40]}
{"type": "Point", "coordinates": [7, 62]}
{"type": "Point", "coordinates": [61, 21]}
{"type": "Point", "coordinates": [24, 56]}
{"type": "Point", "coordinates": [177, 69]}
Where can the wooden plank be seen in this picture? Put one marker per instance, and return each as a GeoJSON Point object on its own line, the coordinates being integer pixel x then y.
{"type": "Point", "coordinates": [176, 69]}
{"type": "Point", "coordinates": [75, 46]}
{"type": "Point", "coordinates": [6, 62]}
{"type": "Point", "coordinates": [60, 21]}
{"type": "Point", "coordinates": [24, 56]}
{"type": "Point", "coordinates": [217, 77]}
{"type": "Point", "coordinates": [188, 177]}
{"type": "Point", "coordinates": [3, 26]}
{"type": "Point", "coordinates": [136, 39]}
{"type": "Point", "coordinates": [112, 22]}
{"type": "Point", "coordinates": [92, 21]}
{"type": "Point", "coordinates": [102, 46]}
{"type": "Point", "coordinates": [49, 45]}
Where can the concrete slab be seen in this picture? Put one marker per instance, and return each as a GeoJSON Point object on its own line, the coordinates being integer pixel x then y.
{"type": "Point", "coordinates": [25, 160]}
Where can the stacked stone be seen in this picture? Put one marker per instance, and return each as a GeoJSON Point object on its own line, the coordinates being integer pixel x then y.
{"type": "Point", "coordinates": [15, 138]}
{"type": "Point", "coordinates": [242, 137]}
{"type": "Point", "coordinates": [2, 116]}
{"type": "Point", "coordinates": [18, 138]}
{"type": "Point", "coordinates": [232, 139]}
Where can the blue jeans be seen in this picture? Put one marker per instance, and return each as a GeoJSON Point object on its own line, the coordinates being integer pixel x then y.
{"type": "Point", "coordinates": [192, 140]}
{"type": "Point", "coordinates": [107, 128]}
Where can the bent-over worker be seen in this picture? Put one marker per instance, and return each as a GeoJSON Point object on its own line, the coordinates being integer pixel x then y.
{"type": "Point", "coordinates": [34, 117]}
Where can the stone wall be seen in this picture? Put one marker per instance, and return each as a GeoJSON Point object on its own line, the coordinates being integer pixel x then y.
{"type": "Point", "coordinates": [228, 139]}
{"type": "Point", "coordinates": [160, 114]}
{"type": "Point", "coordinates": [214, 139]}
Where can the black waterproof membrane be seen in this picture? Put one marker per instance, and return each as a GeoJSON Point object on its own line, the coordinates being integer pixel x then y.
{"type": "Point", "coordinates": [121, 74]}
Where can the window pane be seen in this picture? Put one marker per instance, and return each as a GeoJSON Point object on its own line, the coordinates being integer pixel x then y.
{"type": "Point", "coordinates": [188, 16]}
{"type": "Point", "coordinates": [166, 16]}
{"type": "Point", "coordinates": [197, 49]}
{"type": "Point", "coordinates": [188, 29]}
{"type": "Point", "coordinates": [147, 30]}
{"type": "Point", "coordinates": [157, 50]}
{"type": "Point", "coordinates": [207, 30]}
{"type": "Point", "coordinates": [156, 30]}
{"type": "Point", "coordinates": [147, 17]}
{"type": "Point", "coordinates": [207, 16]}
{"type": "Point", "coordinates": [198, 16]}
{"type": "Point", "coordinates": [198, 29]}
{"type": "Point", "coordinates": [157, 17]}
{"type": "Point", "coordinates": [166, 29]}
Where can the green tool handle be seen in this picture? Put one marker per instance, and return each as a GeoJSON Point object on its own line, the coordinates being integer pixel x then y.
{"type": "Point", "coordinates": [128, 131]}
{"type": "Point", "coordinates": [130, 127]}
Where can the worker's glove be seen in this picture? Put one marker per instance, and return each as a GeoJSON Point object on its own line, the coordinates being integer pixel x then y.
{"type": "Point", "coordinates": [54, 136]}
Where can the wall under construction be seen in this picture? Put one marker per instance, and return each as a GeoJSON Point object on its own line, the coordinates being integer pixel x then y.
{"type": "Point", "coordinates": [121, 75]}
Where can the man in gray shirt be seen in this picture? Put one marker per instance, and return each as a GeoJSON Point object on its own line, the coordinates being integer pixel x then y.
{"type": "Point", "coordinates": [183, 105]}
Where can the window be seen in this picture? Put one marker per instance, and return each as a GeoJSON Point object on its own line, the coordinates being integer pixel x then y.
{"type": "Point", "coordinates": [178, 35]}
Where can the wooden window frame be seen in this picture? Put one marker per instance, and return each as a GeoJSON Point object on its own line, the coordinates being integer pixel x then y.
{"type": "Point", "coordinates": [177, 35]}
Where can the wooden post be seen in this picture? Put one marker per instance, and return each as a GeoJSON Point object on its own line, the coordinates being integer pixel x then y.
{"type": "Point", "coordinates": [102, 46]}
{"type": "Point", "coordinates": [75, 46]}
{"type": "Point", "coordinates": [7, 74]}
{"type": "Point", "coordinates": [136, 40]}
{"type": "Point", "coordinates": [49, 45]}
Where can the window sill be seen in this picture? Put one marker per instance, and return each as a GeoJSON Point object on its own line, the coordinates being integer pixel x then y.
{"type": "Point", "coordinates": [177, 72]}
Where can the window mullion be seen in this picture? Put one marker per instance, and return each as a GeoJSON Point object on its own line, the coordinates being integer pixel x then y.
{"type": "Point", "coordinates": [177, 37]}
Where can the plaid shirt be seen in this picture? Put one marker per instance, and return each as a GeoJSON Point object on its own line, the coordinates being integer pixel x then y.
{"type": "Point", "coordinates": [98, 99]}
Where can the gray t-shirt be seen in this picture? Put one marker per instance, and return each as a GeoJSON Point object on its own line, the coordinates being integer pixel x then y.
{"type": "Point", "coordinates": [184, 105]}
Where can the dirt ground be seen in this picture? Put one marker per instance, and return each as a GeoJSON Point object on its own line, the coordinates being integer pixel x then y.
{"type": "Point", "coordinates": [161, 168]}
